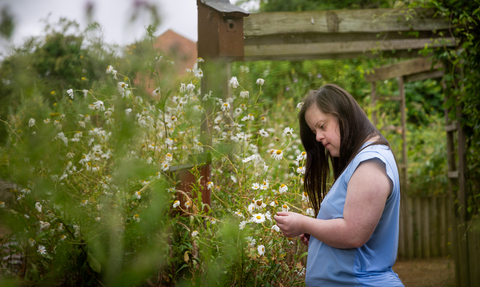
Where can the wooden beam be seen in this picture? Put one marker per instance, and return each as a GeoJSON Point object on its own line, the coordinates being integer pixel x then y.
{"type": "Point", "coordinates": [424, 76]}
{"type": "Point", "coordinates": [400, 69]}
{"type": "Point", "coordinates": [259, 51]}
{"type": "Point", "coordinates": [343, 21]}
{"type": "Point", "coordinates": [338, 56]}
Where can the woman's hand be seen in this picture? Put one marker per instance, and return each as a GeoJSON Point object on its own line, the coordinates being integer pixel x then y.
{"type": "Point", "coordinates": [290, 223]}
{"type": "Point", "coordinates": [305, 238]}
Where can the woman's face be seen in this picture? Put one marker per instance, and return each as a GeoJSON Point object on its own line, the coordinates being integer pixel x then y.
{"type": "Point", "coordinates": [326, 129]}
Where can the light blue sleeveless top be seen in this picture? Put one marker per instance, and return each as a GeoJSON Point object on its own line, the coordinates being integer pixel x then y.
{"type": "Point", "coordinates": [371, 264]}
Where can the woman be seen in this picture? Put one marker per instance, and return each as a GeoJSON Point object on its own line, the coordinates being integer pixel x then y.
{"type": "Point", "coordinates": [354, 238]}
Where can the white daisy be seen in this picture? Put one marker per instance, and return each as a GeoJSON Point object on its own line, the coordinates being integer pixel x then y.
{"type": "Point", "coordinates": [176, 204]}
{"type": "Point", "coordinates": [242, 225]}
{"type": "Point", "coordinates": [194, 233]}
{"type": "Point", "coordinates": [233, 82]}
{"type": "Point", "coordinates": [260, 81]}
{"type": "Point", "coordinates": [244, 94]}
{"type": "Point", "coordinates": [255, 186]}
{"type": "Point", "coordinates": [276, 228]}
{"type": "Point", "coordinates": [42, 250]}
{"type": "Point", "coordinates": [283, 188]}
{"type": "Point", "coordinates": [251, 208]}
{"type": "Point", "coordinates": [310, 212]}
{"type": "Point", "coordinates": [285, 208]}
{"type": "Point", "coordinates": [288, 131]}
{"type": "Point", "coordinates": [258, 218]}
{"type": "Point", "coordinates": [277, 154]}
{"type": "Point", "coordinates": [261, 250]}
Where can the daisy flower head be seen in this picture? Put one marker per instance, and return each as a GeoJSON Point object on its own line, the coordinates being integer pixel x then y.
{"type": "Point", "coordinates": [261, 250]}
{"type": "Point", "coordinates": [264, 185]}
{"type": "Point", "coordinates": [310, 212]}
{"type": "Point", "coordinates": [251, 208]}
{"type": "Point", "coordinates": [225, 106]}
{"type": "Point", "coordinates": [38, 206]}
{"type": "Point", "coordinates": [258, 218]}
{"type": "Point", "coordinates": [277, 154]}
{"type": "Point", "coordinates": [85, 93]}
{"type": "Point", "coordinates": [156, 92]}
{"type": "Point", "coordinates": [42, 250]}
{"type": "Point", "coordinates": [233, 82]}
{"type": "Point", "coordinates": [165, 165]}
{"type": "Point", "coordinates": [176, 204]}
{"type": "Point", "coordinates": [255, 186]}
{"type": "Point", "coordinates": [276, 228]}
{"type": "Point", "coordinates": [263, 119]}
{"type": "Point", "coordinates": [259, 204]}
{"type": "Point", "coordinates": [273, 203]}
{"type": "Point", "coordinates": [283, 188]}
{"type": "Point", "coordinates": [285, 208]}
{"type": "Point", "coordinates": [300, 105]}
{"type": "Point", "coordinates": [109, 69]}
{"type": "Point", "coordinates": [31, 122]}
{"type": "Point", "coordinates": [168, 157]}
{"type": "Point", "coordinates": [136, 217]}
{"type": "Point", "coordinates": [70, 93]}
{"type": "Point", "coordinates": [194, 233]}
{"type": "Point", "coordinates": [190, 87]}
{"type": "Point", "coordinates": [138, 194]}
{"type": "Point", "coordinates": [301, 170]}
{"type": "Point", "coordinates": [305, 197]}
{"type": "Point", "coordinates": [244, 94]}
{"type": "Point", "coordinates": [260, 81]}
{"type": "Point", "coordinates": [302, 156]}
{"type": "Point", "coordinates": [288, 131]}
{"type": "Point", "coordinates": [263, 133]}
{"type": "Point", "coordinates": [239, 214]}
{"type": "Point", "coordinates": [171, 190]}
{"type": "Point", "coordinates": [210, 185]}
{"type": "Point", "coordinates": [31, 241]}
{"type": "Point", "coordinates": [63, 237]}
{"type": "Point", "coordinates": [187, 204]}
{"type": "Point", "coordinates": [242, 224]}
{"type": "Point", "coordinates": [251, 241]}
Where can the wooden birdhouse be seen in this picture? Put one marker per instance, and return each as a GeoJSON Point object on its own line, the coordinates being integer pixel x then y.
{"type": "Point", "coordinates": [220, 30]}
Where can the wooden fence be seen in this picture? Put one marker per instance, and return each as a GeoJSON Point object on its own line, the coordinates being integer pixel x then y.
{"type": "Point", "coordinates": [426, 226]}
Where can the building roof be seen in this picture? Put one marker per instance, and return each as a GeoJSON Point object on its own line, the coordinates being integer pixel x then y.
{"type": "Point", "coordinates": [177, 48]}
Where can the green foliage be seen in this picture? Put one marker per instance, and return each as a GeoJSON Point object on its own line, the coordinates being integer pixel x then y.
{"type": "Point", "coordinates": [462, 79]}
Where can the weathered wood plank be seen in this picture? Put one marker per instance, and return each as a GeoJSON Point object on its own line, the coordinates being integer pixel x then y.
{"type": "Point", "coordinates": [433, 226]}
{"type": "Point", "coordinates": [403, 68]}
{"type": "Point", "coordinates": [343, 21]}
{"type": "Point", "coordinates": [424, 228]}
{"type": "Point", "coordinates": [417, 228]}
{"type": "Point", "coordinates": [335, 37]}
{"type": "Point", "coordinates": [306, 49]}
{"type": "Point", "coordinates": [410, 228]}
{"type": "Point", "coordinates": [424, 76]}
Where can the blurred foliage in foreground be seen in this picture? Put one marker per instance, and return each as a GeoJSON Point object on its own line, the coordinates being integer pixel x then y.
{"type": "Point", "coordinates": [95, 202]}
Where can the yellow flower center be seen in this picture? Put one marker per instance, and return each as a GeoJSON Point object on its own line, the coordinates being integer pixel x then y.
{"type": "Point", "coordinates": [259, 217]}
{"type": "Point", "coordinates": [282, 186]}
{"type": "Point", "coordinates": [278, 152]}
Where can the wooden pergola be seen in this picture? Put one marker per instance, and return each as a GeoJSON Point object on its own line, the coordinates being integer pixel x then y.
{"type": "Point", "coordinates": [227, 33]}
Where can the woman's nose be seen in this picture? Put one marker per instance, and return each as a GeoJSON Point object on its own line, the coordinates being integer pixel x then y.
{"type": "Point", "coordinates": [319, 137]}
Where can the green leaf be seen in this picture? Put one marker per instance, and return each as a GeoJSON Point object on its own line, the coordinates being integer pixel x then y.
{"type": "Point", "coordinates": [303, 255]}
{"type": "Point", "coordinates": [94, 263]}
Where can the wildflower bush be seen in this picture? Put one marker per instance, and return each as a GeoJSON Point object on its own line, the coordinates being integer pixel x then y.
{"type": "Point", "coordinates": [96, 200]}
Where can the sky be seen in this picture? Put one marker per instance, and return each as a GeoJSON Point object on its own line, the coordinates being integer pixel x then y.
{"type": "Point", "coordinates": [112, 15]}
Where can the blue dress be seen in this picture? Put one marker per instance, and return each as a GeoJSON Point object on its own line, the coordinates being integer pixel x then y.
{"type": "Point", "coordinates": [370, 264]}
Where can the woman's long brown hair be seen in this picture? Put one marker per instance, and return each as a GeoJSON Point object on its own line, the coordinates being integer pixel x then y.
{"type": "Point", "coordinates": [355, 129]}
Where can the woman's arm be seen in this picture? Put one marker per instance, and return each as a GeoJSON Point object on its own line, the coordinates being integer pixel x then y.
{"type": "Point", "coordinates": [367, 193]}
